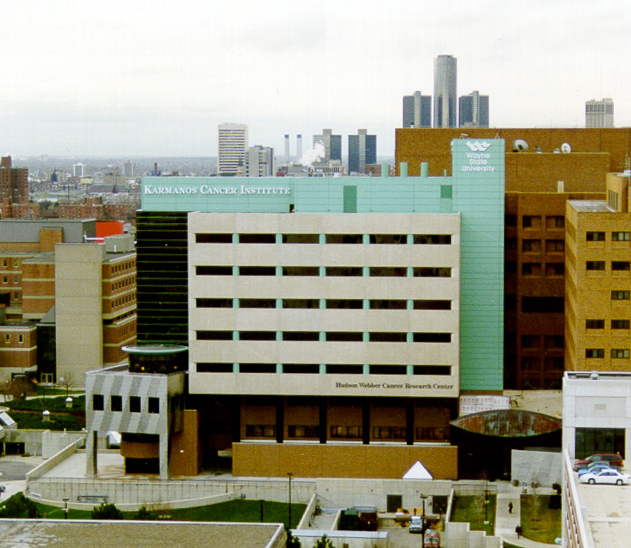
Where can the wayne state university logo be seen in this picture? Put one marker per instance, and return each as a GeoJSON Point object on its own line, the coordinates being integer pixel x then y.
{"type": "Point", "coordinates": [478, 146]}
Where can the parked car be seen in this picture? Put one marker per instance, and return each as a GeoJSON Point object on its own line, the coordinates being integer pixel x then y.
{"type": "Point", "coordinates": [612, 477]}
{"type": "Point", "coordinates": [595, 467]}
{"type": "Point", "coordinates": [416, 524]}
{"type": "Point", "coordinates": [611, 458]}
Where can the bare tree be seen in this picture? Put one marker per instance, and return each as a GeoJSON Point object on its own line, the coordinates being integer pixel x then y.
{"type": "Point", "coordinates": [66, 379]}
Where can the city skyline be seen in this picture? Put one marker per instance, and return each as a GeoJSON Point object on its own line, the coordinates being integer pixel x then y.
{"type": "Point", "coordinates": [156, 79]}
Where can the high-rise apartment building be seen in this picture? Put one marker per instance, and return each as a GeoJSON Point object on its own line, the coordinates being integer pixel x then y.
{"type": "Point", "coordinates": [599, 113]}
{"type": "Point", "coordinates": [260, 162]}
{"type": "Point", "coordinates": [233, 146]}
{"type": "Point", "coordinates": [128, 169]}
{"type": "Point", "coordinates": [332, 145]}
{"type": "Point", "coordinates": [417, 110]}
{"type": "Point", "coordinates": [362, 151]}
{"type": "Point", "coordinates": [473, 110]}
{"type": "Point", "coordinates": [445, 98]}
{"type": "Point", "coordinates": [13, 182]}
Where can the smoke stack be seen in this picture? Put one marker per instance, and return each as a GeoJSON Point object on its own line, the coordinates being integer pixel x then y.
{"type": "Point", "coordinates": [287, 148]}
{"type": "Point", "coordinates": [299, 146]}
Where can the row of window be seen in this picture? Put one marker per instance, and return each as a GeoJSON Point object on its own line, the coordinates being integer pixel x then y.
{"type": "Point", "coordinates": [535, 269]}
{"type": "Point", "coordinates": [615, 265]}
{"type": "Point", "coordinates": [314, 369]}
{"type": "Point", "coordinates": [534, 221]}
{"type": "Point", "coordinates": [550, 341]}
{"type": "Point", "coordinates": [593, 236]}
{"type": "Point", "coordinates": [336, 336]}
{"type": "Point", "coordinates": [381, 304]}
{"type": "Point", "coordinates": [8, 338]}
{"type": "Point", "coordinates": [551, 246]}
{"type": "Point", "coordinates": [227, 238]}
{"type": "Point", "coordinates": [16, 279]}
{"type": "Point", "coordinates": [134, 404]}
{"type": "Point", "coordinates": [616, 353]}
{"type": "Point", "coordinates": [125, 282]}
{"type": "Point", "coordinates": [121, 267]}
{"type": "Point", "coordinates": [389, 271]}
{"type": "Point", "coordinates": [429, 433]}
{"type": "Point", "coordinates": [600, 324]}
{"type": "Point", "coordinates": [5, 263]}
{"type": "Point", "coordinates": [533, 363]}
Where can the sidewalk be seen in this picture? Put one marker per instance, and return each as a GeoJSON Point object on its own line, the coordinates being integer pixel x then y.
{"type": "Point", "coordinates": [506, 522]}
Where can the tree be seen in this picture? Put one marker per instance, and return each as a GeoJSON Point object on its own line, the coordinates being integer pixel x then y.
{"type": "Point", "coordinates": [324, 542]}
{"type": "Point", "coordinates": [106, 511]}
{"type": "Point", "coordinates": [18, 506]}
{"type": "Point", "coordinates": [292, 541]}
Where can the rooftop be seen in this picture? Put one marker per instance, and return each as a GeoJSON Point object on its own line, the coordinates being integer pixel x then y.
{"type": "Point", "coordinates": [591, 206]}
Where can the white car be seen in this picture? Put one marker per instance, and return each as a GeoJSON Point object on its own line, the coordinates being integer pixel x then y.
{"type": "Point", "coordinates": [612, 477]}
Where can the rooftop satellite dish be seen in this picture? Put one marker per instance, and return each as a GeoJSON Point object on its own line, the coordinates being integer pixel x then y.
{"type": "Point", "coordinates": [519, 145]}
{"type": "Point", "coordinates": [566, 148]}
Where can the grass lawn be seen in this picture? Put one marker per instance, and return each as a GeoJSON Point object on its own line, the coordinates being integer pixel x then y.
{"type": "Point", "coordinates": [28, 413]}
{"type": "Point", "coordinates": [472, 509]}
{"type": "Point", "coordinates": [539, 522]}
{"type": "Point", "coordinates": [235, 510]}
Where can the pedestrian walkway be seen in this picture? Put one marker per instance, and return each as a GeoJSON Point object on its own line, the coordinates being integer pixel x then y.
{"type": "Point", "coordinates": [505, 521]}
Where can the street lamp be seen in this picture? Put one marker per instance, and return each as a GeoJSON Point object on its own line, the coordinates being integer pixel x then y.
{"type": "Point", "coordinates": [66, 508]}
{"type": "Point", "coordinates": [289, 474]}
{"type": "Point", "coordinates": [424, 498]}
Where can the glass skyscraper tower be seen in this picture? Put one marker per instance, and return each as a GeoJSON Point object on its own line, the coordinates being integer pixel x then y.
{"type": "Point", "coordinates": [445, 98]}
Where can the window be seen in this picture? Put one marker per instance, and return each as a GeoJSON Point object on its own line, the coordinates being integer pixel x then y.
{"type": "Point", "coordinates": [531, 221]}
{"type": "Point", "coordinates": [530, 341]}
{"type": "Point", "coordinates": [21, 338]}
{"type": "Point", "coordinates": [213, 270]}
{"type": "Point", "coordinates": [214, 367]}
{"type": "Point", "coordinates": [594, 353]}
{"type": "Point", "coordinates": [388, 239]}
{"type": "Point", "coordinates": [16, 279]}
{"type": "Point", "coordinates": [389, 432]}
{"type": "Point", "coordinates": [595, 236]}
{"type": "Point", "coordinates": [595, 265]}
{"type": "Point", "coordinates": [7, 338]}
{"type": "Point", "coordinates": [620, 295]}
{"type": "Point", "coordinates": [620, 353]}
{"type": "Point", "coordinates": [213, 238]}
{"type": "Point", "coordinates": [301, 238]}
{"type": "Point", "coordinates": [530, 363]}
{"type": "Point", "coordinates": [555, 269]}
{"type": "Point", "coordinates": [555, 221]}
{"type": "Point", "coordinates": [542, 304]}
{"type": "Point", "coordinates": [257, 238]}
{"type": "Point", "coordinates": [260, 430]}
{"type": "Point", "coordinates": [354, 432]}
{"type": "Point", "coordinates": [154, 406]}
{"type": "Point", "coordinates": [344, 239]}
{"type": "Point", "coordinates": [116, 403]}
{"type": "Point", "coordinates": [619, 324]}
{"type": "Point", "coordinates": [344, 271]}
{"type": "Point", "coordinates": [531, 269]}
{"type": "Point", "coordinates": [510, 219]}
{"type": "Point", "coordinates": [432, 337]}
{"type": "Point", "coordinates": [531, 245]}
{"type": "Point", "coordinates": [430, 272]}
{"type": "Point", "coordinates": [300, 431]}
{"type": "Point", "coordinates": [214, 303]}
{"type": "Point", "coordinates": [553, 246]}
{"type": "Point", "coordinates": [134, 404]}
{"type": "Point", "coordinates": [98, 403]}
{"type": "Point", "coordinates": [554, 341]}
{"type": "Point", "coordinates": [432, 239]}
{"type": "Point", "coordinates": [620, 236]}
{"type": "Point", "coordinates": [511, 243]}
{"type": "Point", "coordinates": [620, 265]}
{"type": "Point", "coordinates": [432, 305]}
{"type": "Point", "coordinates": [214, 335]}
{"type": "Point", "coordinates": [594, 324]}
{"type": "Point", "coordinates": [5, 279]}
{"type": "Point", "coordinates": [301, 271]}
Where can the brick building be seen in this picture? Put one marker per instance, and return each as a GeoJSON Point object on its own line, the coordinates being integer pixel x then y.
{"type": "Point", "coordinates": [540, 179]}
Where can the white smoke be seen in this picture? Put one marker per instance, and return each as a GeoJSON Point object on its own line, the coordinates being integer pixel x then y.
{"type": "Point", "coordinates": [316, 153]}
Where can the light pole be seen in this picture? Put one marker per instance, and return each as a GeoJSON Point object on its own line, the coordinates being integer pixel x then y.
{"type": "Point", "coordinates": [66, 508]}
{"type": "Point", "coordinates": [424, 498]}
{"type": "Point", "coordinates": [289, 474]}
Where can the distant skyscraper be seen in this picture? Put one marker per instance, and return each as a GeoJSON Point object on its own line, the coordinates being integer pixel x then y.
{"type": "Point", "coordinates": [260, 162]}
{"type": "Point", "coordinates": [599, 113]}
{"type": "Point", "coordinates": [445, 69]}
{"type": "Point", "coordinates": [233, 146]}
{"type": "Point", "coordinates": [77, 170]}
{"type": "Point", "coordinates": [473, 110]}
{"type": "Point", "coordinates": [332, 144]}
{"type": "Point", "coordinates": [128, 169]}
{"type": "Point", "coordinates": [362, 150]}
{"type": "Point", "coordinates": [417, 110]}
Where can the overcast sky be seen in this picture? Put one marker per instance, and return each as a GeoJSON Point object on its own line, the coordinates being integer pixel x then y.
{"type": "Point", "coordinates": [155, 78]}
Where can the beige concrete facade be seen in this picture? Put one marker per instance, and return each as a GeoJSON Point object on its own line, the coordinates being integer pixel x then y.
{"type": "Point", "coordinates": [356, 324]}
{"type": "Point", "coordinates": [598, 285]}
{"type": "Point", "coordinates": [78, 297]}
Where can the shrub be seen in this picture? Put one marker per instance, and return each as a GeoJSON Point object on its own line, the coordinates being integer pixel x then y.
{"type": "Point", "coordinates": [144, 514]}
{"type": "Point", "coordinates": [106, 511]}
